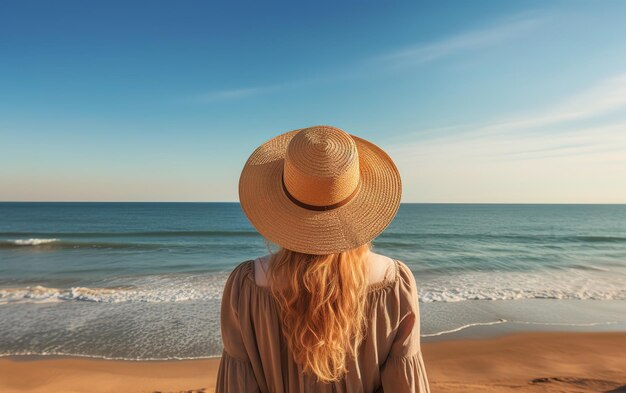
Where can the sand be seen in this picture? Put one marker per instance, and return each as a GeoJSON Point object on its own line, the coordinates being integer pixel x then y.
{"type": "Point", "coordinates": [528, 362]}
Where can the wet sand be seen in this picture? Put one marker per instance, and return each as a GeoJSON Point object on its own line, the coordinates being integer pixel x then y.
{"type": "Point", "coordinates": [527, 362]}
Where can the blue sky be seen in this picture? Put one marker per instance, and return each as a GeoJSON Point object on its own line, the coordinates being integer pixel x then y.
{"type": "Point", "coordinates": [164, 101]}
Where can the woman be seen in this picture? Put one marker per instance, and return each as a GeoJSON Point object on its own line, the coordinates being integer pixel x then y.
{"type": "Point", "coordinates": [324, 313]}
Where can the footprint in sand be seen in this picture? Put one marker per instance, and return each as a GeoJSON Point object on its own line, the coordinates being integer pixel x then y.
{"type": "Point", "coordinates": [564, 384]}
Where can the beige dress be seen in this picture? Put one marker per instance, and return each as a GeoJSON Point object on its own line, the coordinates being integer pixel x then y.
{"type": "Point", "coordinates": [256, 358]}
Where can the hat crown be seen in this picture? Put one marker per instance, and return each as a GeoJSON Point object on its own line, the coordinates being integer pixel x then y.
{"type": "Point", "coordinates": [321, 166]}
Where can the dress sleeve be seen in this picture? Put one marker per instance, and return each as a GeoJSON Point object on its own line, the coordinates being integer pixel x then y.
{"type": "Point", "coordinates": [235, 374]}
{"type": "Point", "coordinates": [403, 370]}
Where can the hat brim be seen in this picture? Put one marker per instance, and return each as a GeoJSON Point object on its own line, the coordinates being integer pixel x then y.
{"type": "Point", "coordinates": [296, 228]}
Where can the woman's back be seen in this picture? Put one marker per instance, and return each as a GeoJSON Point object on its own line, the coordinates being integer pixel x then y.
{"type": "Point", "coordinates": [256, 355]}
{"type": "Point", "coordinates": [322, 319]}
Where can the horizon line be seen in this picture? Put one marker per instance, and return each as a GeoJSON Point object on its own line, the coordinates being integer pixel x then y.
{"type": "Point", "coordinates": [401, 203]}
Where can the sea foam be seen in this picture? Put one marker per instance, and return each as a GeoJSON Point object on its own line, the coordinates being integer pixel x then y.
{"type": "Point", "coordinates": [556, 284]}
{"type": "Point", "coordinates": [33, 242]}
{"type": "Point", "coordinates": [156, 289]}
{"type": "Point", "coordinates": [570, 284]}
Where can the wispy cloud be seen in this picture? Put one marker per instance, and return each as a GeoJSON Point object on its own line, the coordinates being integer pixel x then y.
{"type": "Point", "coordinates": [470, 40]}
{"type": "Point", "coordinates": [504, 30]}
{"type": "Point", "coordinates": [606, 97]}
{"type": "Point", "coordinates": [543, 157]}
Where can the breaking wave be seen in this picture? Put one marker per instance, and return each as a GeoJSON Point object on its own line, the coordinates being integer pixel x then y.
{"type": "Point", "coordinates": [570, 284]}
{"type": "Point", "coordinates": [148, 290]}
{"type": "Point", "coordinates": [57, 244]}
{"type": "Point", "coordinates": [31, 242]}
{"type": "Point", "coordinates": [490, 286]}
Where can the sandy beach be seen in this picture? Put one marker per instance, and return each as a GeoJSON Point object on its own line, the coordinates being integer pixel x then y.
{"type": "Point", "coordinates": [528, 362]}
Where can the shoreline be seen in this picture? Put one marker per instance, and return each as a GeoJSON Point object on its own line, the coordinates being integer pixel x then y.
{"type": "Point", "coordinates": [529, 361]}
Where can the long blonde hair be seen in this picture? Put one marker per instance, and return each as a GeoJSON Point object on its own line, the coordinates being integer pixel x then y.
{"type": "Point", "coordinates": [322, 300]}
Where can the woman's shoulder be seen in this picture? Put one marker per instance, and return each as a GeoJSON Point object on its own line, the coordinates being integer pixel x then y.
{"type": "Point", "coordinates": [399, 287]}
{"type": "Point", "coordinates": [238, 276]}
{"type": "Point", "coordinates": [407, 289]}
{"type": "Point", "coordinates": [406, 278]}
{"type": "Point", "coordinates": [392, 272]}
{"type": "Point", "coordinates": [242, 268]}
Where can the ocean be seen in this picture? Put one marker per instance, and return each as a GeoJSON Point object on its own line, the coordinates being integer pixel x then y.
{"type": "Point", "coordinates": [144, 280]}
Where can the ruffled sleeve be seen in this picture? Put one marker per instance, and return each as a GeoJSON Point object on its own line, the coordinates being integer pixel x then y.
{"type": "Point", "coordinates": [403, 370]}
{"type": "Point", "coordinates": [235, 374]}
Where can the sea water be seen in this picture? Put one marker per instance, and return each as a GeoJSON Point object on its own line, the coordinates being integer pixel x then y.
{"type": "Point", "coordinates": [144, 280]}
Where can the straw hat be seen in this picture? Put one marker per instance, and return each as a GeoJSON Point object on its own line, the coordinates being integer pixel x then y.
{"type": "Point", "coordinates": [319, 190]}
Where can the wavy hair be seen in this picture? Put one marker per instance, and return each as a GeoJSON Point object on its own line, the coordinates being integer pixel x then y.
{"type": "Point", "coordinates": [322, 301]}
